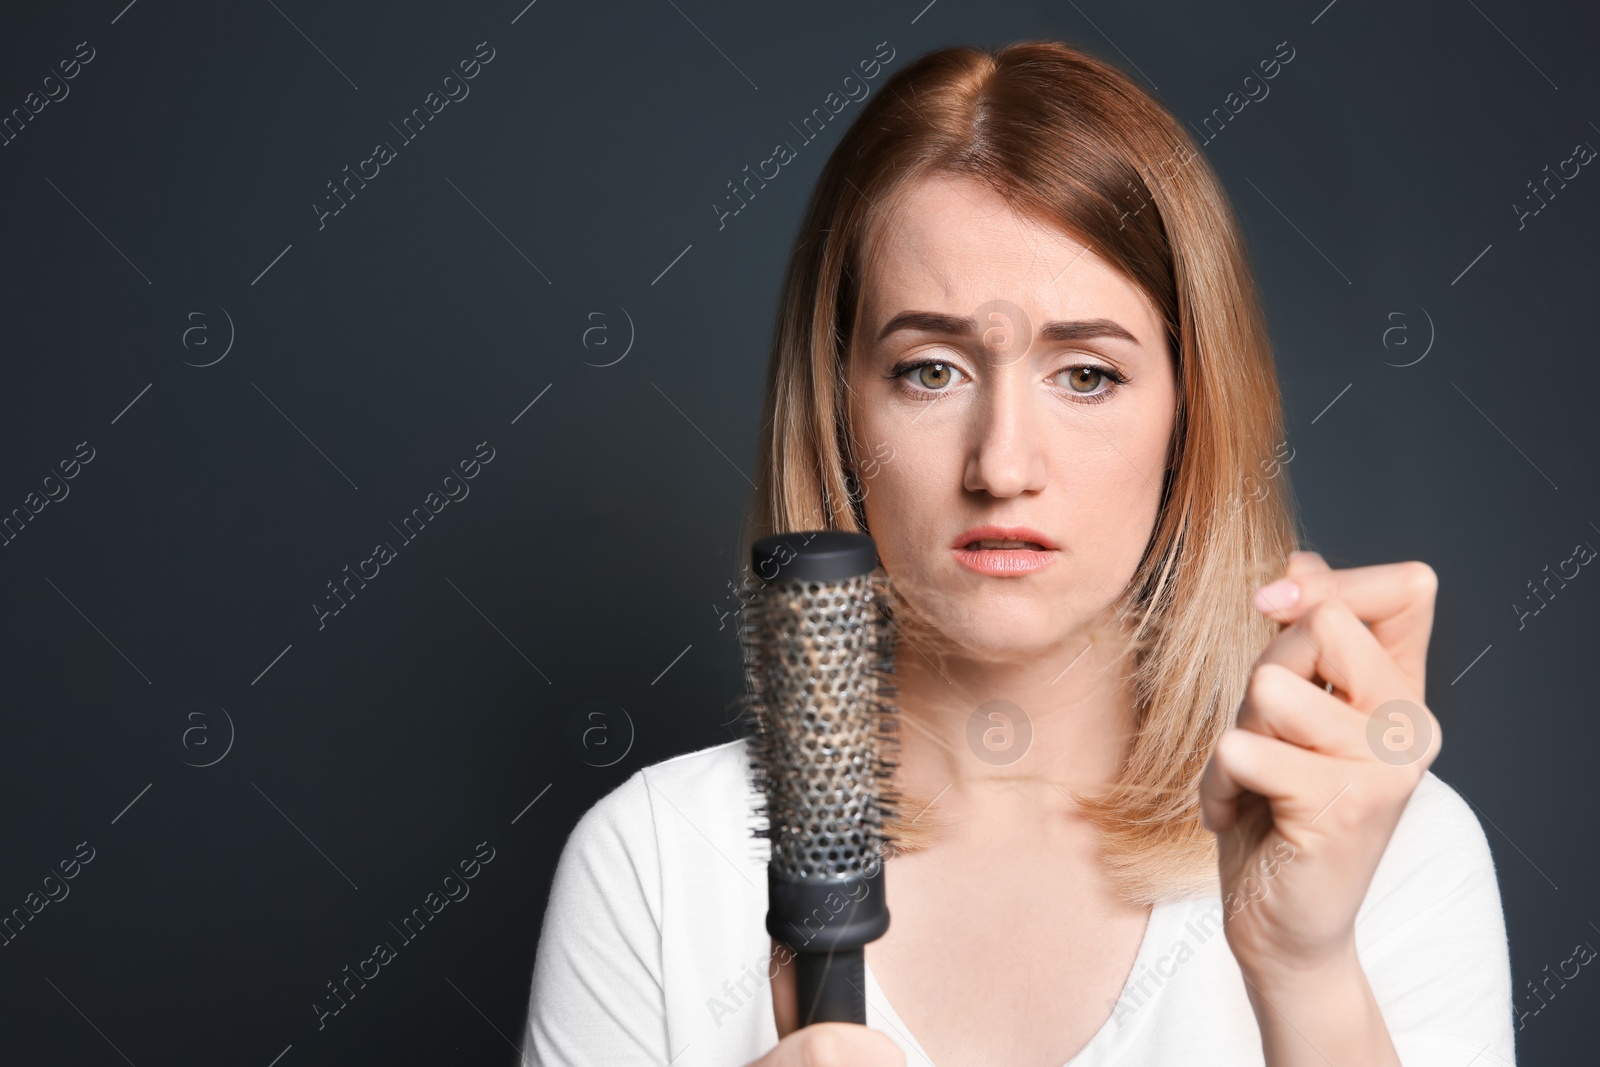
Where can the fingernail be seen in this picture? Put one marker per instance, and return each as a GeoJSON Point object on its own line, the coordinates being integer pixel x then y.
{"type": "Point", "coordinates": [1279, 596]}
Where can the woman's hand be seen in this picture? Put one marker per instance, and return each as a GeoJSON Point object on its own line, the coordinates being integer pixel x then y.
{"type": "Point", "coordinates": [820, 1044]}
{"type": "Point", "coordinates": [834, 1045]}
{"type": "Point", "coordinates": [1306, 791]}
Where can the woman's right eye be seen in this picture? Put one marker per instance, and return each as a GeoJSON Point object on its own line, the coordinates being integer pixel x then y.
{"type": "Point", "coordinates": [930, 375]}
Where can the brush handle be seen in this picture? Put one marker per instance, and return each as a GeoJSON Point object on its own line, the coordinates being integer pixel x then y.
{"type": "Point", "coordinates": [828, 925]}
{"type": "Point", "coordinates": [830, 987]}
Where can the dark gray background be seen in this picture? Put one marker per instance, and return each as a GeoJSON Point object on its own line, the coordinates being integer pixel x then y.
{"type": "Point", "coordinates": [165, 606]}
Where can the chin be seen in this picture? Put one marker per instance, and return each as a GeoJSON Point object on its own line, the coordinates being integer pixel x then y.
{"type": "Point", "coordinates": [1001, 629]}
{"type": "Point", "coordinates": [998, 647]}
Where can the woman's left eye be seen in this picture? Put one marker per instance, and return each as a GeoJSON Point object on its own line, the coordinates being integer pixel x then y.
{"type": "Point", "coordinates": [1093, 384]}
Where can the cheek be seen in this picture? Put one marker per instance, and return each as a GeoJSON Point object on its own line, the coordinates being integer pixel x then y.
{"type": "Point", "coordinates": [899, 478]}
{"type": "Point", "coordinates": [1110, 480]}
{"type": "Point", "coordinates": [887, 487]}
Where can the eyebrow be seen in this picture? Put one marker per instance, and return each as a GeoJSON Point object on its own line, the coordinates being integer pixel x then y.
{"type": "Point", "coordinates": [1074, 330]}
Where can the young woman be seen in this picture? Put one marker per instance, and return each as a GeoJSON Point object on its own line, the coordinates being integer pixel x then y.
{"type": "Point", "coordinates": [1169, 797]}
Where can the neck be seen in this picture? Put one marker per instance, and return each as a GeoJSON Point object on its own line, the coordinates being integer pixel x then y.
{"type": "Point", "coordinates": [989, 741]}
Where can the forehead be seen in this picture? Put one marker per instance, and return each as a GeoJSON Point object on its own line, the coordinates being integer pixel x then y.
{"type": "Point", "coordinates": [951, 244]}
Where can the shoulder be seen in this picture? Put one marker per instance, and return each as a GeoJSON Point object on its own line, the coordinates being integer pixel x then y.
{"type": "Point", "coordinates": [704, 793]}
{"type": "Point", "coordinates": [625, 852]}
{"type": "Point", "coordinates": [706, 777]}
{"type": "Point", "coordinates": [1438, 854]}
{"type": "Point", "coordinates": [1440, 823]}
{"type": "Point", "coordinates": [705, 781]}
{"type": "Point", "coordinates": [1431, 934]}
{"type": "Point", "coordinates": [634, 899]}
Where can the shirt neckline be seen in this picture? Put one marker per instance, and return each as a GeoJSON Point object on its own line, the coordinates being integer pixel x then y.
{"type": "Point", "coordinates": [1112, 1037]}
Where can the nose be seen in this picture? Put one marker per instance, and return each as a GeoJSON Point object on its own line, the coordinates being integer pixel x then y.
{"type": "Point", "coordinates": [1007, 453]}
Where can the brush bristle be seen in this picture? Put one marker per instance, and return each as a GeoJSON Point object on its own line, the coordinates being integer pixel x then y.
{"type": "Point", "coordinates": [819, 708]}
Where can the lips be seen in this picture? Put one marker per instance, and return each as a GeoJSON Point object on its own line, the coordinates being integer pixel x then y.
{"type": "Point", "coordinates": [1004, 538]}
{"type": "Point", "coordinates": [1004, 551]}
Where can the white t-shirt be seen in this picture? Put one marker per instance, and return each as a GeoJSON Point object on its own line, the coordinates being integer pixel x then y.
{"type": "Point", "coordinates": [654, 948]}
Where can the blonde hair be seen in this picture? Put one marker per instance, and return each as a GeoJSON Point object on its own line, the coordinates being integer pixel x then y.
{"type": "Point", "coordinates": [1067, 138]}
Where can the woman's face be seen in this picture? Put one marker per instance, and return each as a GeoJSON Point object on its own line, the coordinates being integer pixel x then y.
{"type": "Point", "coordinates": [1001, 373]}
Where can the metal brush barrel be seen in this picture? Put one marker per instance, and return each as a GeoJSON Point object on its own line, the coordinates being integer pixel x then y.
{"type": "Point", "coordinates": [817, 660]}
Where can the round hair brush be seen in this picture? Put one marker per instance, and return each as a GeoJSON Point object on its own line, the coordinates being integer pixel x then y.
{"type": "Point", "coordinates": [819, 659]}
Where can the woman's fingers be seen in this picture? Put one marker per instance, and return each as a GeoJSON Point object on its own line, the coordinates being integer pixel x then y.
{"type": "Point", "coordinates": [1306, 562]}
{"type": "Point", "coordinates": [1329, 642]}
{"type": "Point", "coordinates": [1396, 599]}
{"type": "Point", "coordinates": [834, 1045]}
{"type": "Point", "coordinates": [1248, 762]}
{"type": "Point", "coordinates": [1392, 720]}
{"type": "Point", "coordinates": [1280, 703]}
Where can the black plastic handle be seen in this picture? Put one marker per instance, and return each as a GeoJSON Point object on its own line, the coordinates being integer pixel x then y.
{"type": "Point", "coordinates": [828, 925]}
{"type": "Point", "coordinates": [830, 987]}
